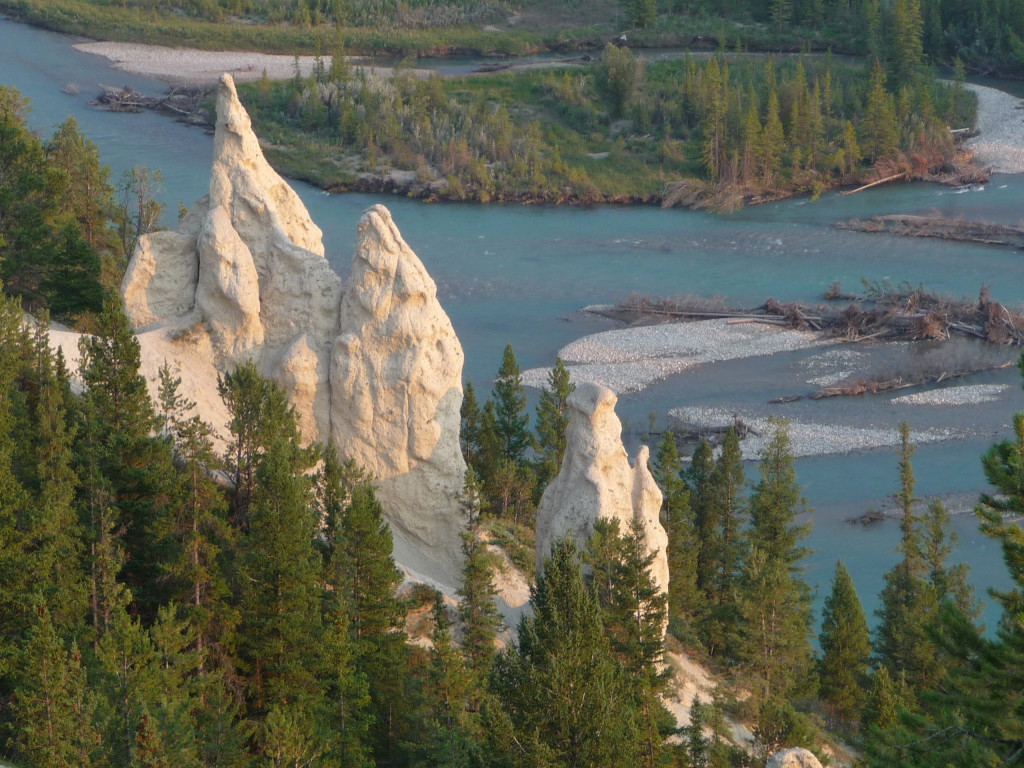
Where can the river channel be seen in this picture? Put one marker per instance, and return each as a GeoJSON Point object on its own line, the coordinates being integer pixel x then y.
{"type": "Point", "coordinates": [518, 274]}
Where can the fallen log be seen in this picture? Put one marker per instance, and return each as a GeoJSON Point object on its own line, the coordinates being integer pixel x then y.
{"type": "Point", "coordinates": [886, 180]}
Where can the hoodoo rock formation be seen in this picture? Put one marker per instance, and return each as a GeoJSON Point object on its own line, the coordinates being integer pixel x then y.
{"type": "Point", "coordinates": [376, 369]}
{"type": "Point", "coordinates": [396, 391]}
{"type": "Point", "coordinates": [597, 482]}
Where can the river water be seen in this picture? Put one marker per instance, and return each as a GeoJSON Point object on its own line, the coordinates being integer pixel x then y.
{"type": "Point", "coordinates": [518, 274]}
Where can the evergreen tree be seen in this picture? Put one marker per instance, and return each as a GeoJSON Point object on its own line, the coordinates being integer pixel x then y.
{"type": "Point", "coordinates": [845, 648]}
{"type": "Point", "coordinates": [568, 700]}
{"type": "Point", "coordinates": [376, 618]}
{"type": "Point", "coordinates": [776, 602]}
{"type": "Point", "coordinates": [685, 600]}
{"type": "Point", "coordinates": [53, 707]}
{"type": "Point", "coordinates": [347, 701]}
{"type": "Point", "coordinates": [915, 587]}
{"type": "Point", "coordinates": [452, 737]}
{"type": "Point", "coordinates": [721, 544]}
{"type": "Point", "coordinates": [552, 421]}
{"type": "Point", "coordinates": [478, 609]}
{"type": "Point", "coordinates": [510, 413]}
{"type": "Point", "coordinates": [469, 431]}
{"type": "Point", "coordinates": [127, 472]}
{"type": "Point", "coordinates": [278, 572]}
{"type": "Point", "coordinates": [196, 524]}
{"type": "Point", "coordinates": [880, 133]}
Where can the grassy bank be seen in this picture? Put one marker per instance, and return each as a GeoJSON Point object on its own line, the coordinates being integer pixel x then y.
{"type": "Point", "coordinates": [719, 131]}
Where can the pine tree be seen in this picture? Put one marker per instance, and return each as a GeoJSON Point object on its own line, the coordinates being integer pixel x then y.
{"type": "Point", "coordinates": [845, 648]}
{"type": "Point", "coordinates": [260, 414]}
{"type": "Point", "coordinates": [552, 421]}
{"type": "Point", "coordinates": [53, 707]}
{"type": "Point", "coordinates": [910, 600]}
{"type": "Point", "coordinates": [773, 141]}
{"type": "Point", "coordinates": [721, 545]}
{"type": "Point", "coordinates": [478, 610]}
{"type": "Point", "coordinates": [375, 615]}
{"type": "Point", "coordinates": [453, 737]}
{"type": "Point", "coordinates": [510, 413]}
{"type": "Point", "coordinates": [196, 524]}
{"type": "Point", "coordinates": [346, 708]}
{"type": "Point", "coordinates": [568, 700]}
{"type": "Point", "coordinates": [776, 601]}
{"type": "Point", "coordinates": [880, 133]}
{"type": "Point", "coordinates": [685, 600]}
{"type": "Point", "coordinates": [469, 431]}
{"type": "Point", "coordinates": [126, 471]}
{"type": "Point", "coordinates": [278, 571]}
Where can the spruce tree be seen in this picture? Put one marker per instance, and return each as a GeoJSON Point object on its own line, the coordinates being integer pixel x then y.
{"type": "Point", "coordinates": [469, 431]}
{"type": "Point", "coordinates": [685, 600]}
{"type": "Point", "coordinates": [478, 610]}
{"type": "Point", "coordinates": [510, 413]}
{"type": "Point", "coordinates": [53, 707]}
{"type": "Point", "coordinates": [552, 421]}
{"type": "Point", "coordinates": [776, 601]}
{"type": "Point", "coordinates": [568, 700]}
{"type": "Point", "coordinates": [845, 648]}
{"type": "Point", "coordinates": [278, 572]}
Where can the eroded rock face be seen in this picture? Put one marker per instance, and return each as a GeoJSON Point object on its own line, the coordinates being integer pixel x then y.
{"type": "Point", "coordinates": [797, 757]}
{"type": "Point", "coordinates": [596, 481]}
{"type": "Point", "coordinates": [396, 390]}
{"type": "Point", "coordinates": [378, 371]}
{"type": "Point", "coordinates": [248, 265]}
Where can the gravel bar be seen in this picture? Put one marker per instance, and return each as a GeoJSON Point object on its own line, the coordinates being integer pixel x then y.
{"type": "Point", "coordinates": [808, 438]}
{"type": "Point", "coordinates": [630, 359]}
{"type": "Point", "coordinates": [966, 395]}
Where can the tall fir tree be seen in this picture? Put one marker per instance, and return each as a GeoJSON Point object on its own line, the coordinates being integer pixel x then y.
{"type": "Point", "coordinates": [845, 649]}
{"type": "Point", "coordinates": [569, 701]}
{"type": "Point", "coordinates": [510, 414]}
{"type": "Point", "coordinates": [552, 421]}
{"type": "Point", "coordinates": [53, 708]}
{"type": "Point", "coordinates": [776, 601]}
{"type": "Point", "coordinates": [685, 600]}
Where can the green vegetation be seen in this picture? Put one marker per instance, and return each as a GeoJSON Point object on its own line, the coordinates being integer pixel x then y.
{"type": "Point", "coordinates": [712, 131]}
{"type": "Point", "coordinates": [986, 36]}
{"type": "Point", "coordinates": [65, 232]}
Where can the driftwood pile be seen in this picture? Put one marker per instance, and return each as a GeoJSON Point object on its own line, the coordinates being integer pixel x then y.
{"type": "Point", "coordinates": [187, 103]}
{"type": "Point", "coordinates": [881, 312]}
{"type": "Point", "coordinates": [983, 232]}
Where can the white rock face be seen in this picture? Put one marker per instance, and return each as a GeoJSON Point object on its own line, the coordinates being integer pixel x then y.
{"type": "Point", "coordinates": [597, 482]}
{"type": "Point", "coordinates": [248, 265]}
{"type": "Point", "coordinates": [378, 372]}
{"type": "Point", "coordinates": [396, 391]}
{"type": "Point", "coordinates": [797, 757]}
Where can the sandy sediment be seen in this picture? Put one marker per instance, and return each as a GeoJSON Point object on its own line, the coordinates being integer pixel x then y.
{"type": "Point", "coordinates": [630, 359]}
{"type": "Point", "coordinates": [1000, 145]}
{"type": "Point", "coordinates": [190, 66]}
